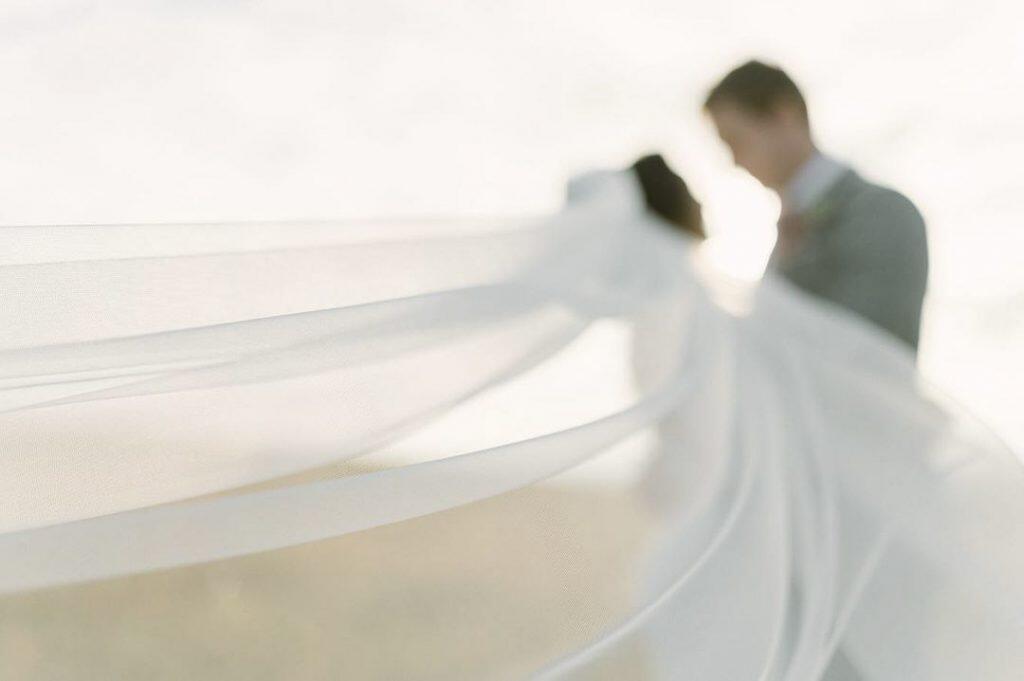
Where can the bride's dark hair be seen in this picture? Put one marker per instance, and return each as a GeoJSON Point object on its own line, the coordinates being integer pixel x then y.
{"type": "Point", "coordinates": [668, 196]}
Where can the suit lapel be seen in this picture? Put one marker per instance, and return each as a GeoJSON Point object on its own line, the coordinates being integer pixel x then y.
{"type": "Point", "coordinates": [822, 215]}
{"type": "Point", "coordinates": [821, 220]}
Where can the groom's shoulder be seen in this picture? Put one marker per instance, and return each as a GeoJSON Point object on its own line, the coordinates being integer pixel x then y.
{"type": "Point", "coordinates": [883, 206]}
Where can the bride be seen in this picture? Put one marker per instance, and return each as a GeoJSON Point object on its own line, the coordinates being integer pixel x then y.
{"type": "Point", "coordinates": [165, 388]}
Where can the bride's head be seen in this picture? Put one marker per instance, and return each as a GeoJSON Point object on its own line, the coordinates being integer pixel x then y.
{"type": "Point", "coordinates": [667, 195]}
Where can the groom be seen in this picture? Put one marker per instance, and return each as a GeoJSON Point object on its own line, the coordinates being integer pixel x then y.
{"type": "Point", "coordinates": [842, 238]}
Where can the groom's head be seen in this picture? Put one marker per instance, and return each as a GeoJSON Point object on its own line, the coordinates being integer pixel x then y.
{"type": "Point", "coordinates": [761, 116]}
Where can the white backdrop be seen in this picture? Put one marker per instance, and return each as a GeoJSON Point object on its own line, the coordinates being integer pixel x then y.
{"type": "Point", "coordinates": [185, 111]}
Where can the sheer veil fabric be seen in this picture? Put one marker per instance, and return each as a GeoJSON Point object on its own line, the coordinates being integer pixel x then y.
{"type": "Point", "coordinates": [163, 386]}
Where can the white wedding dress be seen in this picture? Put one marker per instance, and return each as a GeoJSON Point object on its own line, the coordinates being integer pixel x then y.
{"type": "Point", "coordinates": [163, 386]}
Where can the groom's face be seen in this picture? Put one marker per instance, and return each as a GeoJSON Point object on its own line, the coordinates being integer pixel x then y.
{"type": "Point", "coordinates": [756, 142]}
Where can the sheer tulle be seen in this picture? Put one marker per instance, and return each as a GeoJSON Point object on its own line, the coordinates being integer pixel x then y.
{"type": "Point", "coordinates": [165, 387]}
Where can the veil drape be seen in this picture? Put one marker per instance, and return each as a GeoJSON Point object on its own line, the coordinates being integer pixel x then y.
{"type": "Point", "coordinates": [166, 389]}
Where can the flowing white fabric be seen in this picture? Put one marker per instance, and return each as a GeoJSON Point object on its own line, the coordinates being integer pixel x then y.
{"type": "Point", "coordinates": [161, 386]}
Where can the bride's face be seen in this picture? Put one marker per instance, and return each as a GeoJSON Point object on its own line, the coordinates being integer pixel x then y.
{"type": "Point", "coordinates": [760, 144]}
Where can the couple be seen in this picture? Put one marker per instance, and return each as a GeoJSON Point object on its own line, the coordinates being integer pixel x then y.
{"type": "Point", "coordinates": [855, 244]}
{"type": "Point", "coordinates": [841, 238]}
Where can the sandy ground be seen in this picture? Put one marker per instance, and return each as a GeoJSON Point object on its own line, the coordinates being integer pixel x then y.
{"type": "Point", "coordinates": [491, 590]}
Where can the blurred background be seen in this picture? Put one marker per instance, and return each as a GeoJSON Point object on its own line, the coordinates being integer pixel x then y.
{"type": "Point", "coordinates": [193, 110]}
{"type": "Point", "coordinates": [203, 110]}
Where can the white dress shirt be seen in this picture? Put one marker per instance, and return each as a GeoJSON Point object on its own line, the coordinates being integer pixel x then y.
{"type": "Point", "coordinates": [811, 182]}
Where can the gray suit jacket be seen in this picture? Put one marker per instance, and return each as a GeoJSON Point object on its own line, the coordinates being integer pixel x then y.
{"type": "Point", "coordinates": [864, 249]}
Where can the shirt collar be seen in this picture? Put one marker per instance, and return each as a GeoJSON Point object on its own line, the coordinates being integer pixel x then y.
{"type": "Point", "coordinates": [811, 182]}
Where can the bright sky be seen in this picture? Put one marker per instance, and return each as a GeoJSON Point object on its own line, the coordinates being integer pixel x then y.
{"type": "Point", "coordinates": [186, 110]}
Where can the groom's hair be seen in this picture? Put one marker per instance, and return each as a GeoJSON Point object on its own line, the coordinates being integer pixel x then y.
{"type": "Point", "coordinates": [757, 88]}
